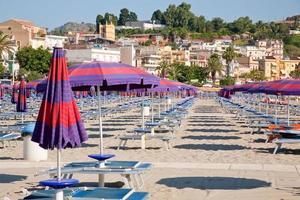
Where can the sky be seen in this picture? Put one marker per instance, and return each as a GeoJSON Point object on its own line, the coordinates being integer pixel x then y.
{"type": "Point", "coordinates": [54, 13]}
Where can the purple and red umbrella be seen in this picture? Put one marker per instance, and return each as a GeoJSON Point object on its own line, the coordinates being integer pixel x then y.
{"type": "Point", "coordinates": [14, 94]}
{"type": "Point", "coordinates": [21, 103]}
{"type": "Point", "coordinates": [58, 124]}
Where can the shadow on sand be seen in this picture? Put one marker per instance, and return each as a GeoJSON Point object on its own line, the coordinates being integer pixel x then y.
{"type": "Point", "coordinates": [211, 130]}
{"type": "Point", "coordinates": [210, 124]}
{"type": "Point", "coordinates": [211, 137]}
{"type": "Point", "coordinates": [211, 147]}
{"type": "Point", "coordinates": [9, 178]}
{"type": "Point", "coordinates": [213, 183]}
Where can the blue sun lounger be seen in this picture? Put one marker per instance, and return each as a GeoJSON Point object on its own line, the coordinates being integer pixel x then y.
{"type": "Point", "coordinates": [8, 137]}
{"type": "Point", "coordinates": [91, 194]}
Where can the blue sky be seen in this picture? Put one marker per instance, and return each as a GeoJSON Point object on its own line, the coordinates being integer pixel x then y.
{"type": "Point", "coordinates": [53, 13]}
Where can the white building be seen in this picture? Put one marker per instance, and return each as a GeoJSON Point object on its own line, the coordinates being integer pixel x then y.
{"type": "Point", "coordinates": [151, 63]}
{"type": "Point", "coordinates": [253, 51]}
{"type": "Point", "coordinates": [93, 54]}
{"type": "Point", "coordinates": [144, 25]}
{"type": "Point", "coordinates": [128, 55]}
{"type": "Point", "coordinates": [52, 40]}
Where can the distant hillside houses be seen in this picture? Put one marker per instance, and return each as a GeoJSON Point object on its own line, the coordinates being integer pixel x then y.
{"type": "Point", "coordinates": [144, 25]}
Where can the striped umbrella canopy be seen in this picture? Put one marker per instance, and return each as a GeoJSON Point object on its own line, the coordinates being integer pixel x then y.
{"type": "Point", "coordinates": [58, 124]}
{"type": "Point", "coordinates": [21, 103]}
{"type": "Point", "coordinates": [109, 76]}
{"type": "Point", "coordinates": [33, 84]}
{"type": "Point", "coordinates": [14, 94]}
{"type": "Point", "coordinates": [263, 87]}
{"type": "Point", "coordinates": [243, 87]}
{"type": "Point", "coordinates": [166, 85]}
{"type": "Point", "coordinates": [284, 87]}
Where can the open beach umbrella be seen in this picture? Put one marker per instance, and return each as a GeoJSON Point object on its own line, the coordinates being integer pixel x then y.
{"type": "Point", "coordinates": [21, 105]}
{"type": "Point", "coordinates": [109, 77]}
{"type": "Point", "coordinates": [58, 124]}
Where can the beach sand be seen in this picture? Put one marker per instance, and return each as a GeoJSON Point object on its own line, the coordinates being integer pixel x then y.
{"type": "Point", "coordinates": [213, 157]}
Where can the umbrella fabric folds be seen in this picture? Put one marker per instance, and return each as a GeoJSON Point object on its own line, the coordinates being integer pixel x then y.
{"type": "Point", "coordinates": [21, 103]}
{"type": "Point", "coordinates": [14, 94]}
{"type": "Point", "coordinates": [1, 91]}
{"type": "Point", "coordinates": [59, 124]}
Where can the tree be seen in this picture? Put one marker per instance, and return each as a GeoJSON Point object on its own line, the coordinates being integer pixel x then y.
{"type": "Point", "coordinates": [158, 17]}
{"type": "Point", "coordinates": [34, 59]}
{"type": "Point", "coordinates": [110, 18]}
{"type": "Point", "coordinates": [125, 16]}
{"type": "Point", "coordinates": [214, 66]}
{"type": "Point", "coordinates": [99, 20]}
{"type": "Point", "coordinates": [163, 69]}
{"type": "Point", "coordinates": [5, 44]}
{"type": "Point", "coordinates": [254, 75]}
{"type": "Point", "coordinates": [176, 72]}
{"type": "Point", "coordinates": [229, 55]}
{"type": "Point", "coordinates": [217, 24]}
{"type": "Point", "coordinates": [228, 80]}
{"type": "Point", "coordinates": [296, 73]}
{"type": "Point", "coordinates": [241, 25]}
{"type": "Point", "coordinates": [2, 69]}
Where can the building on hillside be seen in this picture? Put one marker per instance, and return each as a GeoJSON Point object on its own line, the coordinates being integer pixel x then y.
{"type": "Point", "coordinates": [92, 54]}
{"type": "Point", "coordinates": [24, 32]}
{"type": "Point", "coordinates": [53, 40]}
{"type": "Point", "coordinates": [140, 38]}
{"type": "Point", "coordinates": [128, 55]}
{"type": "Point", "coordinates": [273, 47]}
{"type": "Point", "coordinates": [275, 68]}
{"type": "Point", "coordinates": [253, 51]}
{"type": "Point", "coordinates": [148, 57]}
{"type": "Point", "coordinates": [107, 31]}
{"type": "Point", "coordinates": [151, 63]}
{"type": "Point", "coordinates": [127, 42]}
{"type": "Point", "coordinates": [144, 25]}
{"type": "Point", "coordinates": [175, 56]}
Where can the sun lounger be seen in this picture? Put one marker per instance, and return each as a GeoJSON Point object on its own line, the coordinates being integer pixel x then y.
{"type": "Point", "coordinates": [279, 142]}
{"type": "Point", "coordinates": [91, 194]}
{"type": "Point", "coordinates": [132, 171]}
{"type": "Point", "coordinates": [8, 138]}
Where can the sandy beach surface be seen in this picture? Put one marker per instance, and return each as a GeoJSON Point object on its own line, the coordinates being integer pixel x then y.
{"type": "Point", "coordinates": [213, 157]}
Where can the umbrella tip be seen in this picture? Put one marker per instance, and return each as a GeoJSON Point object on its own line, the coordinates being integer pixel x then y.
{"type": "Point", "coordinates": [59, 44]}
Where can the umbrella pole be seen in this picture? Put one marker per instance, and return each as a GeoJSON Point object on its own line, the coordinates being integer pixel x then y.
{"type": "Point", "coordinates": [276, 112]}
{"type": "Point", "coordinates": [152, 102]}
{"type": "Point", "coordinates": [159, 108]}
{"type": "Point", "coordinates": [143, 114]}
{"type": "Point", "coordinates": [59, 195]}
{"type": "Point", "coordinates": [288, 110]}
{"type": "Point", "coordinates": [22, 118]}
{"type": "Point", "coordinates": [100, 121]}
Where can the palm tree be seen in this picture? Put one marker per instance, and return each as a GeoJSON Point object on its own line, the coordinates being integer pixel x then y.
{"type": "Point", "coordinates": [176, 71]}
{"type": "Point", "coordinates": [163, 69]}
{"type": "Point", "coordinates": [229, 55]}
{"type": "Point", "coordinates": [214, 66]}
{"type": "Point", "coordinates": [5, 44]}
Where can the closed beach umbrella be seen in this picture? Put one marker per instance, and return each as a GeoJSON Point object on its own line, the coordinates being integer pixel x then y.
{"type": "Point", "coordinates": [1, 91]}
{"type": "Point", "coordinates": [14, 95]}
{"type": "Point", "coordinates": [21, 105]}
{"type": "Point", "coordinates": [58, 124]}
